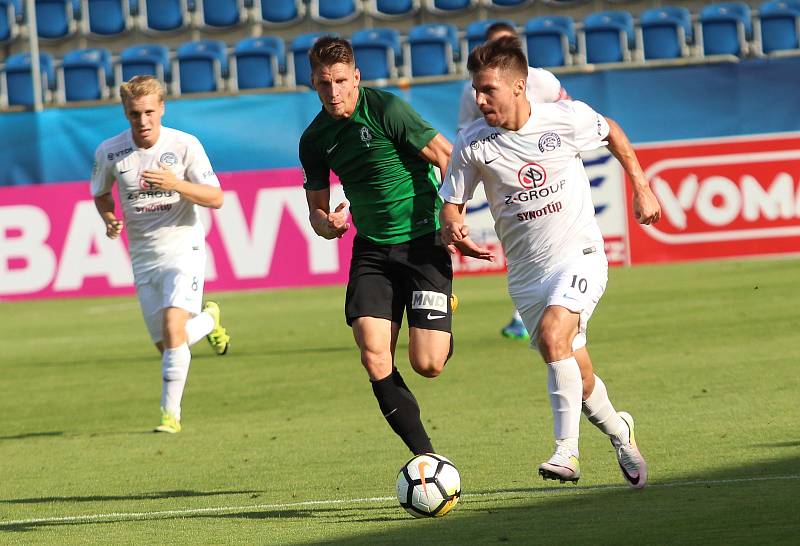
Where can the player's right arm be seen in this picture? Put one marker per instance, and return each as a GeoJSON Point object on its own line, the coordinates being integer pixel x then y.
{"type": "Point", "coordinates": [101, 184]}
{"type": "Point", "coordinates": [316, 182]}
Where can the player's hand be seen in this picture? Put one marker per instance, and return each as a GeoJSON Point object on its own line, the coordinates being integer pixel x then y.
{"type": "Point", "coordinates": [470, 248]}
{"type": "Point", "coordinates": [161, 179]}
{"type": "Point", "coordinates": [113, 228]}
{"type": "Point", "coordinates": [646, 208]}
{"type": "Point", "coordinates": [454, 231]}
{"type": "Point", "coordinates": [337, 222]}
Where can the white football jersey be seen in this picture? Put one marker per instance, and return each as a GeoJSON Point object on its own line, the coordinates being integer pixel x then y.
{"type": "Point", "coordinates": [162, 227]}
{"type": "Point", "coordinates": [541, 86]}
{"type": "Point", "coordinates": [534, 181]}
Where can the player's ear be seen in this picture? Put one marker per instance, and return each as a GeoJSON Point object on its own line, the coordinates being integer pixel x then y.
{"type": "Point", "coordinates": [357, 75]}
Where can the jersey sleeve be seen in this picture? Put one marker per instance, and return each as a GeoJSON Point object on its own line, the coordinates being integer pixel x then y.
{"type": "Point", "coordinates": [468, 110]}
{"type": "Point", "coordinates": [550, 86]}
{"type": "Point", "coordinates": [316, 171]}
{"type": "Point", "coordinates": [405, 126]}
{"type": "Point", "coordinates": [102, 176]}
{"type": "Point", "coordinates": [591, 129]}
{"type": "Point", "coordinates": [198, 166]}
{"type": "Point", "coordinates": [462, 177]}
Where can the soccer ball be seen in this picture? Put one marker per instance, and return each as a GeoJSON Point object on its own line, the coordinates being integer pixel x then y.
{"type": "Point", "coordinates": [428, 486]}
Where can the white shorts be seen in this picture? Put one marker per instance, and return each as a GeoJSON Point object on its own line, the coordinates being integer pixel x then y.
{"type": "Point", "coordinates": [576, 284]}
{"type": "Point", "coordinates": [180, 286]}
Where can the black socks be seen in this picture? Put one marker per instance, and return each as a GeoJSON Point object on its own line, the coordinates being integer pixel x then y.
{"type": "Point", "coordinates": [401, 411]}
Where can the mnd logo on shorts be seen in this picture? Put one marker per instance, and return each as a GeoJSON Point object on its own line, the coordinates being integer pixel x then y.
{"type": "Point", "coordinates": [425, 299]}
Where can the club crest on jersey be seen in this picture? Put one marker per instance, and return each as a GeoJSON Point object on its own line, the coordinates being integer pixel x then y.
{"type": "Point", "coordinates": [549, 142]}
{"type": "Point", "coordinates": [532, 175]}
{"type": "Point", "coordinates": [366, 136]}
{"type": "Point", "coordinates": [168, 159]}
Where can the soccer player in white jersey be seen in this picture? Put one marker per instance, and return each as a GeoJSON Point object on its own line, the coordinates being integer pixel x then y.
{"type": "Point", "coordinates": [528, 158]}
{"type": "Point", "coordinates": [161, 175]}
{"type": "Point", "coordinates": [541, 86]}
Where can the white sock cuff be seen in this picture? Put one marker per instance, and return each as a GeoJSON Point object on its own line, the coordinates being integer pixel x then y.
{"type": "Point", "coordinates": [599, 393]}
{"type": "Point", "coordinates": [198, 327]}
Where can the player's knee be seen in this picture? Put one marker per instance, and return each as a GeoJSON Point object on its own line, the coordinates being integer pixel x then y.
{"type": "Point", "coordinates": [553, 346]}
{"type": "Point", "coordinates": [376, 362]}
{"type": "Point", "coordinates": [428, 365]}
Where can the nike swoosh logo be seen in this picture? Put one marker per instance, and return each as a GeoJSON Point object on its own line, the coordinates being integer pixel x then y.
{"type": "Point", "coordinates": [421, 467]}
{"type": "Point", "coordinates": [434, 317]}
{"type": "Point", "coordinates": [487, 161]}
{"type": "Point", "coordinates": [568, 297]}
{"type": "Point", "coordinates": [329, 150]}
{"type": "Point", "coordinates": [125, 171]}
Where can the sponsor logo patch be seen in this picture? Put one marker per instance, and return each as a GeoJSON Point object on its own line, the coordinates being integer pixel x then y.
{"type": "Point", "coordinates": [532, 175]}
{"type": "Point", "coordinates": [426, 299]}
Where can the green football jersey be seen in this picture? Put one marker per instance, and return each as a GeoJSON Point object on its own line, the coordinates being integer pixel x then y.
{"type": "Point", "coordinates": [392, 190]}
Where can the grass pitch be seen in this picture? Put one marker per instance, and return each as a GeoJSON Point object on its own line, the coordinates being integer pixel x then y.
{"type": "Point", "coordinates": [283, 442]}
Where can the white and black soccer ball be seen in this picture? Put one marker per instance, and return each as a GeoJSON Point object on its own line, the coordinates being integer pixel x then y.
{"type": "Point", "coordinates": [428, 486]}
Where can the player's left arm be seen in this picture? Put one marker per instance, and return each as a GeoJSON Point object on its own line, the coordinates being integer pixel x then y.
{"type": "Point", "coordinates": [646, 208]}
{"type": "Point", "coordinates": [437, 152]}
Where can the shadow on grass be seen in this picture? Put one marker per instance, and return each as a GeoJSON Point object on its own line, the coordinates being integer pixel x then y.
{"type": "Point", "coordinates": [27, 435]}
{"type": "Point", "coordinates": [753, 504]}
{"type": "Point", "coordinates": [178, 493]}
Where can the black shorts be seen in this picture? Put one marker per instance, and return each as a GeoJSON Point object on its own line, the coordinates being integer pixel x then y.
{"type": "Point", "coordinates": [415, 277]}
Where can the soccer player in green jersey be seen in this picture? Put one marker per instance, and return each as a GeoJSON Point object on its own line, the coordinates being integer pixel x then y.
{"type": "Point", "coordinates": [383, 153]}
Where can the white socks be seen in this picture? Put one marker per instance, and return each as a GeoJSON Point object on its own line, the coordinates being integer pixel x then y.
{"type": "Point", "coordinates": [198, 327]}
{"type": "Point", "coordinates": [566, 391]}
{"type": "Point", "coordinates": [517, 316]}
{"type": "Point", "coordinates": [174, 371]}
{"type": "Point", "coordinates": [601, 413]}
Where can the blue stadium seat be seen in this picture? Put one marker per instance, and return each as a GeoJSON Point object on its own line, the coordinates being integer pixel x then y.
{"type": "Point", "coordinates": [334, 12]}
{"type": "Point", "coordinates": [298, 58]}
{"type": "Point", "coordinates": [507, 4]}
{"type": "Point", "coordinates": [393, 9]}
{"type": "Point", "coordinates": [55, 19]}
{"type": "Point", "coordinates": [449, 7]}
{"type": "Point", "coordinates": [726, 27]}
{"type": "Point", "coordinates": [222, 14]}
{"type": "Point", "coordinates": [475, 33]}
{"type": "Point", "coordinates": [258, 62]}
{"type": "Point", "coordinates": [280, 12]}
{"type": "Point", "coordinates": [17, 79]}
{"type": "Point", "coordinates": [433, 49]}
{"type": "Point", "coordinates": [780, 26]}
{"type": "Point", "coordinates": [164, 15]}
{"type": "Point", "coordinates": [144, 59]}
{"type": "Point", "coordinates": [202, 65]}
{"type": "Point", "coordinates": [378, 52]}
{"type": "Point", "coordinates": [550, 40]}
{"type": "Point", "coordinates": [609, 36]}
{"type": "Point", "coordinates": [10, 18]}
{"type": "Point", "coordinates": [666, 32]}
{"type": "Point", "coordinates": [106, 17]}
{"type": "Point", "coordinates": [86, 74]}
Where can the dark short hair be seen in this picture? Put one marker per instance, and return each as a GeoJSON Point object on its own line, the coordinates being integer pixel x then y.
{"type": "Point", "coordinates": [330, 50]}
{"type": "Point", "coordinates": [500, 26]}
{"type": "Point", "coordinates": [504, 53]}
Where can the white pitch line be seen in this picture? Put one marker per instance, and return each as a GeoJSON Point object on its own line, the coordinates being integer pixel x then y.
{"type": "Point", "coordinates": [162, 514]}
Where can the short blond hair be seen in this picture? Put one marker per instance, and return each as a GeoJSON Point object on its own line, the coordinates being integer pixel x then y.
{"type": "Point", "coordinates": [141, 86]}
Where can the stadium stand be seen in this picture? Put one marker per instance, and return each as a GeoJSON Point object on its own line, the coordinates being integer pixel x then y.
{"type": "Point", "coordinates": [666, 32]}
{"type": "Point", "coordinates": [220, 14]}
{"type": "Point", "coordinates": [55, 19]}
{"type": "Point", "coordinates": [151, 59]}
{"type": "Point", "coordinates": [202, 66]}
{"type": "Point", "coordinates": [10, 17]}
{"type": "Point", "coordinates": [449, 7]}
{"type": "Point", "coordinates": [102, 18]}
{"type": "Point", "coordinates": [608, 36]}
{"type": "Point", "coordinates": [378, 52]}
{"type": "Point", "coordinates": [161, 16]}
{"type": "Point", "coordinates": [393, 9]}
{"type": "Point", "coordinates": [550, 40]}
{"type": "Point", "coordinates": [279, 13]}
{"type": "Point", "coordinates": [507, 4]}
{"type": "Point", "coordinates": [433, 49]}
{"type": "Point", "coordinates": [779, 26]}
{"type": "Point", "coordinates": [475, 33]}
{"type": "Point", "coordinates": [726, 27]}
{"type": "Point", "coordinates": [334, 12]}
{"type": "Point", "coordinates": [299, 66]}
{"type": "Point", "coordinates": [258, 63]}
{"type": "Point", "coordinates": [85, 74]}
{"type": "Point", "coordinates": [17, 83]}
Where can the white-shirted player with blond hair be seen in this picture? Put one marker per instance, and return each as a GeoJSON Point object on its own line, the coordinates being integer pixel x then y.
{"type": "Point", "coordinates": [528, 158]}
{"type": "Point", "coordinates": [162, 175]}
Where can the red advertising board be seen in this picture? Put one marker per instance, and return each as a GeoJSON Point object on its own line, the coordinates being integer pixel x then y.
{"type": "Point", "coordinates": [721, 198]}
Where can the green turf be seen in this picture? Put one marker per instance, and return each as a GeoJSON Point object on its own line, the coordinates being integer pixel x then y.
{"type": "Point", "coordinates": [705, 356]}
